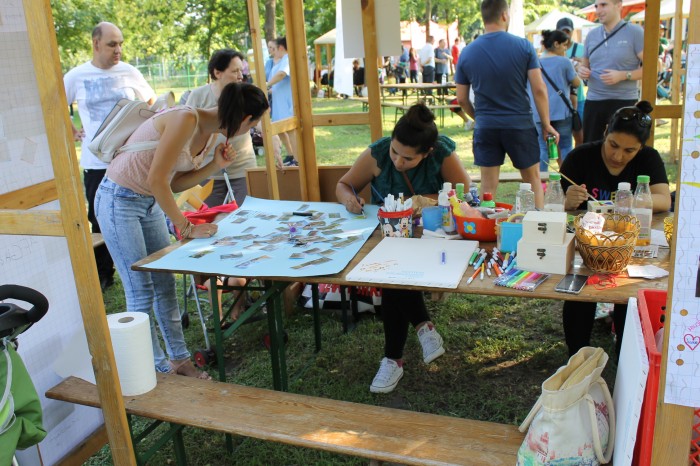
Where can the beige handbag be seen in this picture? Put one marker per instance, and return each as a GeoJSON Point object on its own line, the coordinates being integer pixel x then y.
{"type": "Point", "coordinates": [573, 421]}
{"type": "Point", "coordinates": [120, 123]}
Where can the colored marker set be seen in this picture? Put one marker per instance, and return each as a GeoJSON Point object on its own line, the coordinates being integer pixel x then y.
{"type": "Point", "coordinates": [521, 279]}
{"type": "Point", "coordinates": [496, 265]}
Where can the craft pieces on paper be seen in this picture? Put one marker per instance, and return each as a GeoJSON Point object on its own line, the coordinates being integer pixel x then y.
{"type": "Point", "coordinates": [262, 239]}
{"type": "Point", "coordinates": [658, 237]}
{"type": "Point", "coordinates": [646, 252]}
{"type": "Point", "coordinates": [432, 263]}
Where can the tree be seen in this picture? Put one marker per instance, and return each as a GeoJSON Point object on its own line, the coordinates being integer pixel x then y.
{"type": "Point", "coordinates": [270, 26]}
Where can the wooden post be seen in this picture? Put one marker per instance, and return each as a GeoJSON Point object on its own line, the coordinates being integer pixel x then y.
{"type": "Point", "coordinates": [672, 431]}
{"type": "Point", "coordinates": [317, 67]}
{"type": "Point", "coordinates": [676, 77]}
{"type": "Point", "coordinates": [651, 55]}
{"type": "Point", "coordinates": [260, 81]}
{"type": "Point", "coordinates": [369, 33]}
{"type": "Point", "coordinates": [42, 40]}
{"type": "Point", "coordinates": [329, 68]}
{"type": "Point", "coordinates": [298, 64]}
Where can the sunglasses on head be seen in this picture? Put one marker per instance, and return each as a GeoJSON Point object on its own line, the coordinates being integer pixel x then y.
{"type": "Point", "coordinates": [633, 113]}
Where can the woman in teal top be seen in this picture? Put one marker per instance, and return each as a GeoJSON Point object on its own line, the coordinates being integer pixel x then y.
{"type": "Point", "coordinates": [414, 160]}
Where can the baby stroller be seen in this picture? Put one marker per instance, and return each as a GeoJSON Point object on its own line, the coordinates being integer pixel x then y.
{"type": "Point", "coordinates": [20, 408]}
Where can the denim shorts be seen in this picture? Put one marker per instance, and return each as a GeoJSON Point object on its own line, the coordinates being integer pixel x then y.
{"type": "Point", "coordinates": [492, 144]}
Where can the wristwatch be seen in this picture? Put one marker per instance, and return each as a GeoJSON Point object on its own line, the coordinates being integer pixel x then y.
{"type": "Point", "coordinates": [628, 76]}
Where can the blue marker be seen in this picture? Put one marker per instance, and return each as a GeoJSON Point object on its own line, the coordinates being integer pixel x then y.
{"type": "Point", "coordinates": [480, 260]}
{"type": "Point", "coordinates": [443, 258]}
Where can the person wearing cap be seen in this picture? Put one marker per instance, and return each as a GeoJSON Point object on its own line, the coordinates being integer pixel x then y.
{"type": "Point", "coordinates": [574, 53]}
{"type": "Point", "coordinates": [612, 64]}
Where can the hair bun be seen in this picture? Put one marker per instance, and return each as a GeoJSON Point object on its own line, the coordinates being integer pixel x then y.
{"type": "Point", "coordinates": [644, 107]}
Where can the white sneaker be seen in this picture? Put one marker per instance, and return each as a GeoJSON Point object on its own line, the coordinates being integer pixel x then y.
{"type": "Point", "coordinates": [387, 377]}
{"type": "Point", "coordinates": [468, 125]}
{"type": "Point", "coordinates": [431, 341]}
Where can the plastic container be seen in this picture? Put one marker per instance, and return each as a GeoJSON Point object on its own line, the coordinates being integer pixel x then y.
{"type": "Point", "coordinates": [448, 224]}
{"type": "Point", "coordinates": [509, 233]}
{"type": "Point", "coordinates": [651, 305]}
{"type": "Point", "coordinates": [623, 199]}
{"type": "Point", "coordinates": [478, 229]}
{"type": "Point", "coordinates": [554, 197]}
{"type": "Point", "coordinates": [432, 218]}
{"type": "Point", "coordinates": [643, 209]}
{"type": "Point", "coordinates": [488, 201]}
{"type": "Point", "coordinates": [524, 199]}
{"type": "Point", "coordinates": [396, 224]}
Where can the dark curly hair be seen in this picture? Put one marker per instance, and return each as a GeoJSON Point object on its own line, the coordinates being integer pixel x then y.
{"type": "Point", "coordinates": [634, 121]}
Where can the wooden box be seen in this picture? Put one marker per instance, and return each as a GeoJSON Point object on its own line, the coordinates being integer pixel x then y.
{"type": "Point", "coordinates": [546, 258]}
{"type": "Point", "coordinates": [544, 227]}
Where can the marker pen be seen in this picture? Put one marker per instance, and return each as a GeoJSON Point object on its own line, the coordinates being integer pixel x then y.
{"type": "Point", "coordinates": [480, 260]}
{"type": "Point", "coordinates": [482, 271]}
{"type": "Point", "coordinates": [472, 258]}
{"type": "Point", "coordinates": [471, 279]}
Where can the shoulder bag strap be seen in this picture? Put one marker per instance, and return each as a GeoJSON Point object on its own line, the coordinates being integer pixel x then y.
{"type": "Point", "coordinates": [603, 457]}
{"type": "Point", "coordinates": [573, 52]}
{"type": "Point", "coordinates": [408, 183]}
{"type": "Point", "coordinates": [567, 102]}
{"type": "Point", "coordinates": [624, 23]}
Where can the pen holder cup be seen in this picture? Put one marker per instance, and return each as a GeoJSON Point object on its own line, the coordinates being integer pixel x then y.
{"type": "Point", "coordinates": [610, 251]}
{"type": "Point", "coordinates": [478, 229]}
{"type": "Point", "coordinates": [509, 233]}
{"type": "Point", "coordinates": [396, 224]}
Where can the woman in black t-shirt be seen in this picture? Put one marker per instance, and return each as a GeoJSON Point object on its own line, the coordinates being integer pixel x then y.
{"type": "Point", "coordinates": [597, 168]}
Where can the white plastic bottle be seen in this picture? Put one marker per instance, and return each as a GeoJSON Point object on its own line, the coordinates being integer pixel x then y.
{"type": "Point", "coordinates": [623, 199]}
{"type": "Point", "coordinates": [642, 208]}
{"type": "Point", "coordinates": [448, 222]}
{"type": "Point", "coordinates": [524, 199]}
{"type": "Point", "coordinates": [554, 197]}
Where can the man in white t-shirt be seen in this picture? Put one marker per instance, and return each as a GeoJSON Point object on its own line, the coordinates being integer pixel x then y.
{"type": "Point", "coordinates": [97, 86]}
{"type": "Point", "coordinates": [427, 60]}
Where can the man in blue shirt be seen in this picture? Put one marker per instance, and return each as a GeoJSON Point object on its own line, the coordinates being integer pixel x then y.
{"type": "Point", "coordinates": [498, 66]}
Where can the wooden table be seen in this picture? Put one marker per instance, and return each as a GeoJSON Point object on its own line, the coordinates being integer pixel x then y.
{"type": "Point", "coordinates": [626, 288]}
{"type": "Point", "coordinates": [419, 89]}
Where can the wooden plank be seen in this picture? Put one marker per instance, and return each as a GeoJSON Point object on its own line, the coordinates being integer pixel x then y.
{"type": "Point", "coordinates": [672, 428]}
{"type": "Point", "coordinates": [369, 34]}
{"type": "Point", "coordinates": [376, 432]}
{"type": "Point", "coordinates": [259, 79]}
{"type": "Point", "coordinates": [29, 197]}
{"type": "Point", "coordinates": [340, 119]}
{"type": "Point", "coordinates": [88, 447]}
{"type": "Point", "coordinates": [42, 41]}
{"type": "Point", "coordinates": [35, 222]}
{"type": "Point", "coordinates": [668, 111]}
{"type": "Point", "coordinates": [651, 54]}
{"type": "Point", "coordinates": [282, 126]}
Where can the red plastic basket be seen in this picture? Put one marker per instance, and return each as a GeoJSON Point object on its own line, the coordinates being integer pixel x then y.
{"type": "Point", "coordinates": [651, 305]}
{"type": "Point", "coordinates": [478, 229]}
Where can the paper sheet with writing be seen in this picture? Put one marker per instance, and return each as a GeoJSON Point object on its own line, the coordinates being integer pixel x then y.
{"type": "Point", "coordinates": [265, 238]}
{"type": "Point", "coordinates": [434, 263]}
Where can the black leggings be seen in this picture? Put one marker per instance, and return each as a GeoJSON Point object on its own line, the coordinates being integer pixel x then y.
{"type": "Point", "coordinates": [399, 307]}
{"type": "Point", "coordinates": [597, 113]}
{"type": "Point", "coordinates": [578, 324]}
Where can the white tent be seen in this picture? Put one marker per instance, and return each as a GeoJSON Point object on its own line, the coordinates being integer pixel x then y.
{"type": "Point", "coordinates": [667, 10]}
{"type": "Point", "coordinates": [549, 21]}
{"type": "Point", "coordinates": [326, 39]}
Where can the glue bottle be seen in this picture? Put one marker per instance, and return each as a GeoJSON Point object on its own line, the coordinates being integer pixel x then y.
{"type": "Point", "coordinates": [623, 199]}
{"type": "Point", "coordinates": [448, 223]}
{"type": "Point", "coordinates": [643, 208]}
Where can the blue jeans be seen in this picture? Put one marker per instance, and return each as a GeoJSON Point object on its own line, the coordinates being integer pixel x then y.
{"type": "Point", "coordinates": [133, 226]}
{"type": "Point", "coordinates": [563, 127]}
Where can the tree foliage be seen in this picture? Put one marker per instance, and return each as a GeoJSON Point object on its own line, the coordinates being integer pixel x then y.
{"type": "Point", "coordinates": [178, 29]}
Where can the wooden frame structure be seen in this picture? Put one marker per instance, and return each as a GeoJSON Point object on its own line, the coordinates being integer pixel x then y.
{"type": "Point", "coordinates": [672, 425]}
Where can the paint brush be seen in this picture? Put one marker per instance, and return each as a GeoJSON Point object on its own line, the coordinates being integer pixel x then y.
{"type": "Point", "coordinates": [571, 181]}
{"type": "Point", "coordinates": [362, 211]}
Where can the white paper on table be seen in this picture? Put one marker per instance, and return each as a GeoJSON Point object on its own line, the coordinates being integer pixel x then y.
{"type": "Point", "coordinates": [658, 237]}
{"type": "Point", "coordinates": [646, 271]}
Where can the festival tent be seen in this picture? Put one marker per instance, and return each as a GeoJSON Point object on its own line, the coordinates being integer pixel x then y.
{"type": "Point", "coordinates": [413, 33]}
{"type": "Point", "coordinates": [549, 21]}
{"type": "Point", "coordinates": [667, 11]}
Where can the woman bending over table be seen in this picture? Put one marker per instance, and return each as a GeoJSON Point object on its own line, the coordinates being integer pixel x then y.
{"type": "Point", "coordinates": [137, 193]}
{"type": "Point", "coordinates": [597, 168]}
{"type": "Point", "coordinates": [416, 160]}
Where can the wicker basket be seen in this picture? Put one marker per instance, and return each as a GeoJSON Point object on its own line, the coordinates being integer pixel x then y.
{"type": "Point", "coordinates": [609, 252]}
{"type": "Point", "coordinates": [668, 229]}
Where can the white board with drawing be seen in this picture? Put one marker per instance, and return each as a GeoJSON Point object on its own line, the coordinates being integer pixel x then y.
{"type": "Point", "coordinates": [41, 263]}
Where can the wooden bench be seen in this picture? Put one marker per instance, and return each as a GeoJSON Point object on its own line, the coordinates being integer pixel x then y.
{"type": "Point", "coordinates": [354, 429]}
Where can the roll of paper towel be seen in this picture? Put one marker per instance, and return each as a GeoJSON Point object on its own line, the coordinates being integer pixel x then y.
{"type": "Point", "coordinates": [133, 351]}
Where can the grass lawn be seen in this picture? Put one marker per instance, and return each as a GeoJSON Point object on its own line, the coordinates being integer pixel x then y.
{"type": "Point", "coordinates": [499, 350]}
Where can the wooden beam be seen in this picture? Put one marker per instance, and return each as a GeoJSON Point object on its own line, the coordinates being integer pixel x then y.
{"type": "Point", "coordinates": [35, 222]}
{"type": "Point", "coordinates": [340, 119]}
{"type": "Point", "coordinates": [256, 36]}
{"type": "Point", "coordinates": [369, 34]}
{"type": "Point", "coordinates": [29, 197]}
{"type": "Point", "coordinates": [317, 68]}
{"type": "Point", "coordinates": [282, 126]}
{"type": "Point", "coordinates": [672, 429]}
{"type": "Point", "coordinates": [651, 54]}
{"type": "Point", "coordinates": [299, 59]}
{"type": "Point", "coordinates": [668, 111]}
{"type": "Point", "coordinates": [42, 41]}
